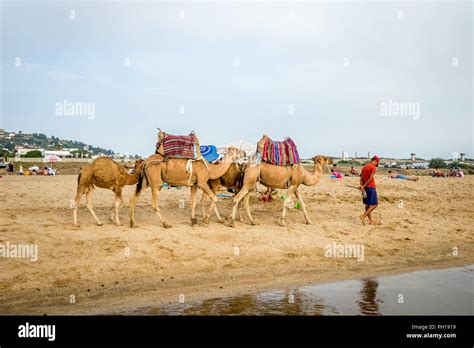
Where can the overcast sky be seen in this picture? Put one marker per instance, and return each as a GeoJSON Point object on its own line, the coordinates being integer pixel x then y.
{"type": "Point", "coordinates": [319, 73]}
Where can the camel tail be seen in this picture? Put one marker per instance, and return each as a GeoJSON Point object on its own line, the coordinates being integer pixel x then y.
{"type": "Point", "coordinates": [79, 179]}
{"type": "Point", "coordinates": [142, 179]}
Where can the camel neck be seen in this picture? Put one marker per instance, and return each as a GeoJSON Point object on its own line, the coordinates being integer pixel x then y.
{"type": "Point", "coordinates": [218, 170]}
{"type": "Point", "coordinates": [312, 178]}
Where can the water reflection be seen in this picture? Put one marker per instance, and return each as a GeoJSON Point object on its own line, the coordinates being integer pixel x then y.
{"type": "Point", "coordinates": [287, 302]}
{"type": "Point", "coordinates": [448, 292]}
{"type": "Point", "coordinates": [368, 303]}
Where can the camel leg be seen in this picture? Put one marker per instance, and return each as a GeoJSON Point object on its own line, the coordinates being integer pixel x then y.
{"type": "Point", "coordinates": [113, 215]}
{"type": "Point", "coordinates": [216, 210]}
{"type": "Point", "coordinates": [156, 197]}
{"type": "Point", "coordinates": [305, 213]}
{"type": "Point", "coordinates": [239, 211]}
{"type": "Point", "coordinates": [153, 199]}
{"type": "Point", "coordinates": [214, 189]}
{"type": "Point", "coordinates": [212, 196]}
{"type": "Point", "coordinates": [249, 182]}
{"type": "Point", "coordinates": [247, 209]}
{"type": "Point", "coordinates": [117, 205]}
{"type": "Point", "coordinates": [91, 209]}
{"type": "Point", "coordinates": [241, 218]}
{"type": "Point", "coordinates": [193, 205]}
{"type": "Point", "coordinates": [242, 193]}
{"type": "Point", "coordinates": [287, 201]}
{"type": "Point", "coordinates": [75, 205]}
{"type": "Point", "coordinates": [203, 203]}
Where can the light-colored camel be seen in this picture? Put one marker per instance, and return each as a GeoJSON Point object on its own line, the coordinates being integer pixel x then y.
{"type": "Point", "coordinates": [105, 173]}
{"type": "Point", "coordinates": [282, 177]}
{"type": "Point", "coordinates": [158, 169]}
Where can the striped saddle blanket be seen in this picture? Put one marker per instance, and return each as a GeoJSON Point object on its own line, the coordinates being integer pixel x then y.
{"type": "Point", "coordinates": [180, 146]}
{"type": "Point", "coordinates": [280, 153]}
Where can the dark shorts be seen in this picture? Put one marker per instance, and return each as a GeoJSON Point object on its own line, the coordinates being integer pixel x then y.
{"type": "Point", "coordinates": [371, 196]}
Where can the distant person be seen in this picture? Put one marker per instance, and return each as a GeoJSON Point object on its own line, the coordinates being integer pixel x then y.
{"type": "Point", "coordinates": [393, 175]}
{"type": "Point", "coordinates": [353, 171]}
{"type": "Point", "coordinates": [10, 169]}
{"type": "Point", "coordinates": [456, 173]}
{"type": "Point", "coordinates": [367, 185]}
{"type": "Point", "coordinates": [335, 174]}
{"type": "Point", "coordinates": [438, 174]}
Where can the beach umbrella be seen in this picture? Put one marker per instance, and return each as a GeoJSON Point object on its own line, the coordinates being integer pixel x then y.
{"type": "Point", "coordinates": [51, 159]}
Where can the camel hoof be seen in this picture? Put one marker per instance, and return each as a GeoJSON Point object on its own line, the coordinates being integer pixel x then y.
{"type": "Point", "coordinates": [232, 223]}
{"type": "Point", "coordinates": [166, 225]}
{"type": "Point", "coordinates": [309, 222]}
{"type": "Point", "coordinates": [206, 220]}
{"type": "Point", "coordinates": [111, 218]}
{"type": "Point", "coordinates": [100, 224]}
{"type": "Point", "coordinates": [194, 221]}
{"type": "Point", "coordinates": [221, 221]}
{"type": "Point", "coordinates": [118, 224]}
{"type": "Point", "coordinates": [282, 223]}
{"type": "Point", "coordinates": [253, 223]}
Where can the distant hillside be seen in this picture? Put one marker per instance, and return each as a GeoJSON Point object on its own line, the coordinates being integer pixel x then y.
{"type": "Point", "coordinates": [9, 141]}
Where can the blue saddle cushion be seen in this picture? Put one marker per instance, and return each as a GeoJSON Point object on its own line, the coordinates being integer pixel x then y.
{"type": "Point", "coordinates": [209, 152]}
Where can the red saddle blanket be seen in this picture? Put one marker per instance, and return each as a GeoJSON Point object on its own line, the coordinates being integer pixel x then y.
{"type": "Point", "coordinates": [280, 153]}
{"type": "Point", "coordinates": [181, 146]}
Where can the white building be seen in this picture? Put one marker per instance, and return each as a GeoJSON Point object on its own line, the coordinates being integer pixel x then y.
{"type": "Point", "coordinates": [59, 153]}
{"type": "Point", "coordinates": [419, 165]}
{"type": "Point", "coordinates": [23, 150]}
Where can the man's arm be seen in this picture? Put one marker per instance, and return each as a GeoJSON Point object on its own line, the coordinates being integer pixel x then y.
{"type": "Point", "coordinates": [362, 185]}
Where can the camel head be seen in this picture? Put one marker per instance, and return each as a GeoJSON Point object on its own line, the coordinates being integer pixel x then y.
{"type": "Point", "coordinates": [322, 160]}
{"type": "Point", "coordinates": [137, 167]}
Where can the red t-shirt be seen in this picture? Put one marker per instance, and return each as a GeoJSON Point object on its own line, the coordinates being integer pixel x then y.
{"type": "Point", "coordinates": [366, 172]}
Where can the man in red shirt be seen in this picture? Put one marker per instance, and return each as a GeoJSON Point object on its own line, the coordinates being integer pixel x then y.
{"type": "Point", "coordinates": [367, 185]}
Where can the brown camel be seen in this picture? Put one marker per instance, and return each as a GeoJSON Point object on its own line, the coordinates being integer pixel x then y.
{"type": "Point", "coordinates": [282, 177]}
{"type": "Point", "coordinates": [105, 173]}
{"type": "Point", "coordinates": [179, 172]}
{"type": "Point", "coordinates": [232, 179]}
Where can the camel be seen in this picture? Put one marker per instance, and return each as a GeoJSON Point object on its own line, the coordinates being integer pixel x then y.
{"type": "Point", "coordinates": [232, 179]}
{"type": "Point", "coordinates": [282, 177]}
{"type": "Point", "coordinates": [179, 172]}
{"type": "Point", "coordinates": [103, 172]}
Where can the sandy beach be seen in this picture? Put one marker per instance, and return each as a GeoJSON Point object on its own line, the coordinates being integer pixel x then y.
{"type": "Point", "coordinates": [108, 269]}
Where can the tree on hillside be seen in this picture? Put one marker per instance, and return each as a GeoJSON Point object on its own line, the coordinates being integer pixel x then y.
{"type": "Point", "coordinates": [33, 154]}
{"type": "Point", "coordinates": [437, 163]}
{"type": "Point", "coordinates": [5, 153]}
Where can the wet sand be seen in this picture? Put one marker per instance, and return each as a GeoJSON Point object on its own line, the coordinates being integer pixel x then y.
{"type": "Point", "coordinates": [110, 269]}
